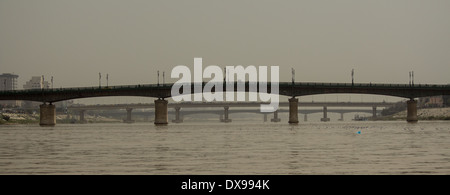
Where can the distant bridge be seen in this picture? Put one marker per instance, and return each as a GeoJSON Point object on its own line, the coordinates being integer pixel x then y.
{"type": "Point", "coordinates": [220, 113]}
{"type": "Point", "coordinates": [226, 105]}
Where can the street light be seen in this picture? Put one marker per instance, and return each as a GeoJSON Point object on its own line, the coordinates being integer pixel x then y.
{"type": "Point", "coordinates": [293, 75]}
{"type": "Point", "coordinates": [353, 73]}
{"type": "Point", "coordinates": [409, 78]}
{"type": "Point", "coordinates": [43, 82]}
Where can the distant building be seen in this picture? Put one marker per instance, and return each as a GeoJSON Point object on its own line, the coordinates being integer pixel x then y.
{"type": "Point", "coordinates": [36, 82]}
{"type": "Point", "coordinates": [433, 101]}
{"type": "Point", "coordinates": [446, 100]}
{"type": "Point", "coordinates": [9, 82]}
{"type": "Point", "coordinates": [437, 101]}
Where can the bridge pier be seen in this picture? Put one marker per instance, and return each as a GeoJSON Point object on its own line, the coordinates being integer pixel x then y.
{"type": "Point", "coordinates": [82, 119]}
{"type": "Point", "coordinates": [275, 117]}
{"type": "Point", "coordinates": [411, 111]}
{"type": "Point", "coordinates": [342, 117]}
{"type": "Point", "coordinates": [47, 115]}
{"type": "Point", "coordinates": [325, 118]}
{"type": "Point", "coordinates": [374, 112]}
{"type": "Point", "coordinates": [265, 117]}
{"type": "Point", "coordinates": [161, 112]}
{"type": "Point", "coordinates": [225, 113]}
{"type": "Point", "coordinates": [128, 119]}
{"type": "Point", "coordinates": [293, 110]}
{"type": "Point", "coordinates": [305, 118]}
{"type": "Point", "coordinates": [177, 115]}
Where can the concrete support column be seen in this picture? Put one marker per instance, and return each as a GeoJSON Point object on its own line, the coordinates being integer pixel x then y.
{"type": "Point", "coordinates": [82, 119]}
{"type": "Point", "coordinates": [177, 115]}
{"type": "Point", "coordinates": [411, 111]}
{"type": "Point", "coordinates": [305, 118]}
{"type": "Point", "coordinates": [161, 112]}
{"type": "Point", "coordinates": [265, 117]}
{"type": "Point", "coordinates": [47, 115]}
{"type": "Point", "coordinates": [293, 110]}
{"type": "Point", "coordinates": [325, 118]}
{"type": "Point", "coordinates": [275, 117]}
{"type": "Point", "coordinates": [128, 119]}
{"type": "Point", "coordinates": [342, 117]}
{"type": "Point", "coordinates": [374, 111]}
{"type": "Point", "coordinates": [225, 113]}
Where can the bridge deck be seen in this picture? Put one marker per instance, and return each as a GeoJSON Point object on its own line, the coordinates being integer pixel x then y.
{"type": "Point", "coordinates": [285, 88]}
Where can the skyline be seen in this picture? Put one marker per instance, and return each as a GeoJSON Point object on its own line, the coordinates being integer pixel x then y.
{"type": "Point", "coordinates": [131, 40]}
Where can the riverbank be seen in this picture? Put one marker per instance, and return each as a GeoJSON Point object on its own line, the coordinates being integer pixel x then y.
{"type": "Point", "coordinates": [15, 118]}
{"type": "Point", "coordinates": [422, 114]}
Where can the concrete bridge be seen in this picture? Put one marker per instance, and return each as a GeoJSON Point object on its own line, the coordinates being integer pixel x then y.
{"type": "Point", "coordinates": [220, 113]}
{"type": "Point", "coordinates": [224, 115]}
{"type": "Point", "coordinates": [179, 119]}
{"type": "Point", "coordinates": [48, 112]}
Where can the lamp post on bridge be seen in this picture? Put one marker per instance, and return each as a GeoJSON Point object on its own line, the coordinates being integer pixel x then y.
{"type": "Point", "coordinates": [411, 78]}
{"type": "Point", "coordinates": [353, 73]}
{"type": "Point", "coordinates": [293, 76]}
{"type": "Point", "coordinates": [43, 82]}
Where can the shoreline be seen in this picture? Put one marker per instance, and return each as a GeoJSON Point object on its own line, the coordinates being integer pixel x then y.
{"type": "Point", "coordinates": [423, 114]}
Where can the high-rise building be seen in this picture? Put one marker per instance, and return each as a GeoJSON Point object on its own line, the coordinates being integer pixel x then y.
{"type": "Point", "coordinates": [36, 82]}
{"type": "Point", "coordinates": [8, 82]}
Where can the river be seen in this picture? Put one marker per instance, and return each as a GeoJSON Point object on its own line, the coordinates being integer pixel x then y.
{"type": "Point", "coordinates": [393, 147]}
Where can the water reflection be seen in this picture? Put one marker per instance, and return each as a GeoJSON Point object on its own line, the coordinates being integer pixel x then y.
{"type": "Point", "coordinates": [232, 148]}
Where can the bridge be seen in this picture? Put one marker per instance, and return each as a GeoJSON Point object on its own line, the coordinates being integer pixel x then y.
{"type": "Point", "coordinates": [227, 105]}
{"type": "Point", "coordinates": [275, 118]}
{"type": "Point", "coordinates": [220, 113]}
{"type": "Point", "coordinates": [290, 89]}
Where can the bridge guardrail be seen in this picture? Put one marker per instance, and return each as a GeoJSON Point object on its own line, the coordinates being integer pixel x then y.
{"type": "Point", "coordinates": [281, 84]}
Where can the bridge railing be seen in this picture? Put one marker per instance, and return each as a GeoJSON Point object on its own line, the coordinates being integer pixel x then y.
{"type": "Point", "coordinates": [380, 85]}
{"type": "Point", "coordinates": [71, 89]}
{"type": "Point", "coordinates": [281, 84]}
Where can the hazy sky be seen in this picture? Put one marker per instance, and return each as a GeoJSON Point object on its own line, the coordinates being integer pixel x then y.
{"type": "Point", "coordinates": [74, 40]}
